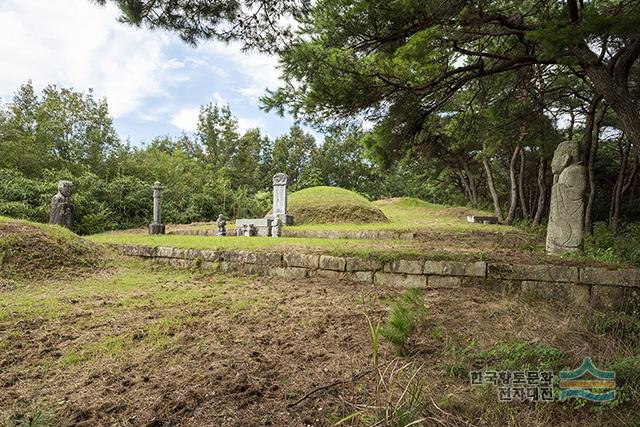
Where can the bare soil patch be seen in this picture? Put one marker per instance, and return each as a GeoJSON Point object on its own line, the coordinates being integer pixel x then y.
{"type": "Point", "coordinates": [147, 345]}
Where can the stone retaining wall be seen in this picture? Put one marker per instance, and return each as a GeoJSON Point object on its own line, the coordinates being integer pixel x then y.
{"type": "Point", "coordinates": [617, 289]}
{"type": "Point", "coordinates": [328, 234]}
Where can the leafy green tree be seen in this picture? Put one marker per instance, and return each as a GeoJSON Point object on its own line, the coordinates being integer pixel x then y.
{"type": "Point", "coordinates": [407, 59]}
{"type": "Point", "coordinates": [63, 129]}
{"type": "Point", "coordinates": [258, 23]}
{"type": "Point", "coordinates": [292, 154]}
{"type": "Point", "coordinates": [218, 134]}
{"type": "Point", "coordinates": [244, 165]}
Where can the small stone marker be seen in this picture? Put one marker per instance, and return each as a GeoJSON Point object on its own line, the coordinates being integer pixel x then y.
{"type": "Point", "coordinates": [222, 226]}
{"type": "Point", "coordinates": [156, 227]}
{"type": "Point", "coordinates": [62, 209]}
{"type": "Point", "coordinates": [566, 211]}
{"type": "Point", "coordinates": [482, 219]}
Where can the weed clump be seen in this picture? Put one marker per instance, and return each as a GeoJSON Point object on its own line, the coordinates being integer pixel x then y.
{"type": "Point", "coordinates": [402, 319]}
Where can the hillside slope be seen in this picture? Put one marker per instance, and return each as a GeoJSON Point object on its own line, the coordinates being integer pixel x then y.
{"type": "Point", "coordinates": [326, 205]}
{"type": "Point", "coordinates": [29, 249]}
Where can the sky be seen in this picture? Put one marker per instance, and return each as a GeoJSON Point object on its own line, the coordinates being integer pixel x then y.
{"type": "Point", "coordinates": [154, 83]}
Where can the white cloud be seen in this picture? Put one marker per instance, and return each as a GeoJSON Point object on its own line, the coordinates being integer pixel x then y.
{"type": "Point", "coordinates": [260, 71]}
{"type": "Point", "coordinates": [219, 71]}
{"type": "Point", "coordinates": [219, 99]}
{"type": "Point", "coordinates": [245, 124]}
{"type": "Point", "coordinates": [186, 119]}
{"type": "Point", "coordinates": [91, 50]}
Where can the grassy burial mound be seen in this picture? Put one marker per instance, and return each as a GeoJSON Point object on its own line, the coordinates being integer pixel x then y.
{"type": "Point", "coordinates": [330, 205]}
{"type": "Point", "coordinates": [28, 249]}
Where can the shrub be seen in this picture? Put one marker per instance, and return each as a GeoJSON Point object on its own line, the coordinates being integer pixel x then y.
{"type": "Point", "coordinates": [605, 246]}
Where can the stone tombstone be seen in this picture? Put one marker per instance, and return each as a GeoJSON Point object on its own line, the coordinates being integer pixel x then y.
{"type": "Point", "coordinates": [222, 226]}
{"type": "Point", "coordinates": [157, 227]}
{"type": "Point", "coordinates": [280, 181]}
{"type": "Point", "coordinates": [566, 211]}
{"type": "Point", "coordinates": [62, 209]}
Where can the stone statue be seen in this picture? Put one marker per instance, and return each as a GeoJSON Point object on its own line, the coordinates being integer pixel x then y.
{"type": "Point", "coordinates": [222, 226]}
{"type": "Point", "coordinates": [62, 209]}
{"type": "Point", "coordinates": [566, 213]}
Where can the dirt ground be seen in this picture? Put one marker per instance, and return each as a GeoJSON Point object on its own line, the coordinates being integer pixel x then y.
{"type": "Point", "coordinates": [141, 344]}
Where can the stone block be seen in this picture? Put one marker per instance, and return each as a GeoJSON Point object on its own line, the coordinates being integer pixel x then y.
{"type": "Point", "coordinates": [405, 266]}
{"type": "Point", "coordinates": [240, 257]}
{"type": "Point", "coordinates": [603, 276]}
{"type": "Point", "coordinates": [580, 295]}
{"type": "Point", "coordinates": [210, 265]}
{"type": "Point", "coordinates": [361, 276]}
{"type": "Point", "coordinates": [268, 258]}
{"type": "Point", "coordinates": [330, 274]}
{"type": "Point", "coordinates": [619, 298]}
{"type": "Point", "coordinates": [164, 252]}
{"type": "Point", "coordinates": [535, 273]}
{"type": "Point", "coordinates": [332, 263]}
{"type": "Point", "coordinates": [556, 292]}
{"type": "Point", "coordinates": [363, 264]}
{"type": "Point", "coordinates": [444, 282]}
{"type": "Point", "coordinates": [289, 272]}
{"type": "Point", "coordinates": [209, 255]}
{"type": "Point", "coordinates": [456, 268]}
{"type": "Point", "coordinates": [400, 280]}
{"type": "Point", "coordinates": [503, 287]}
{"type": "Point", "coordinates": [301, 260]}
{"type": "Point", "coordinates": [228, 267]}
{"type": "Point", "coordinates": [176, 262]}
{"type": "Point", "coordinates": [257, 269]}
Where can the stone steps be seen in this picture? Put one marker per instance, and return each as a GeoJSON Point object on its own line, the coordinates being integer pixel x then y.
{"type": "Point", "coordinates": [617, 289]}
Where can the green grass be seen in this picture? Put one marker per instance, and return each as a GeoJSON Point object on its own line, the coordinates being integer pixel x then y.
{"type": "Point", "coordinates": [321, 205]}
{"type": "Point", "coordinates": [385, 250]}
{"type": "Point", "coordinates": [404, 214]}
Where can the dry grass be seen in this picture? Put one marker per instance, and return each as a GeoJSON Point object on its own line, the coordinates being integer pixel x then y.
{"type": "Point", "coordinates": [32, 250]}
{"type": "Point", "coordinates": [142, 344]}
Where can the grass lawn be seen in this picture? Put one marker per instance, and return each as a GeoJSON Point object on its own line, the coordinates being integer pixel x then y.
{"type": "Point", "coordinates": [518, 247]}
{"type": "Point", "coordinates": [406, 214]}
{"type": "Point", "coordinates": [135, 343]}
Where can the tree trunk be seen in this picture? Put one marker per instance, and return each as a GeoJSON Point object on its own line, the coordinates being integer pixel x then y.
{"type": "Point", "coordinates": [616, 197]}
{"type": "Point", "coordinates": [572, 124]}
{"type": "Point", "coordinates": [590, 150]}
{"type": "Point", "coordinates": [492, 189]}
{"type": "Point", "coordinates": [513, 182]}
{"type": "Point", "coordinates": [521, 189]}
{"type": "Point", "coordinates": [618, 98]}
{"type": "Point", "coordinates": [473, 188]}
{"type": "Point", "coordinates": [542, 190]}
{"type": "Point", "coordinates": [465, 184]}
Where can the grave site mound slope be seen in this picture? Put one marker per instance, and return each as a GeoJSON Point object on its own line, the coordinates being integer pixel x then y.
{"type": "Point", "coordinates": [330, 205]}
{"type": "Point", "coordinates": [29, 249]}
